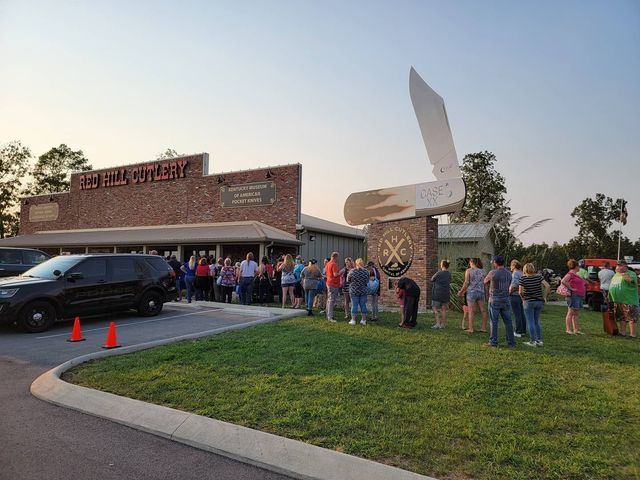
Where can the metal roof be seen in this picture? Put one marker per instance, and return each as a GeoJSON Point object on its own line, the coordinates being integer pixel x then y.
{"type": "Point", "coordinates": [249, 231]}
{"type": "Point", "coordinates": [463, 232]}
{"type": "Point", "coordinates": [316, 224]}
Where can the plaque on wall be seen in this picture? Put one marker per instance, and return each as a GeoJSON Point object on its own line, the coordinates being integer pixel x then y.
{"type": "Point", "coordinates": [45, 212]}
{"type": "Point", "coordinates": [248, 195]}
{"type": "Point", "coordinates": [395, 251]}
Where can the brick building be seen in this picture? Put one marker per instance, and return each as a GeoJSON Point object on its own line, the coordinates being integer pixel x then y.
{"type": "Point", "coordinates": [176, 206]}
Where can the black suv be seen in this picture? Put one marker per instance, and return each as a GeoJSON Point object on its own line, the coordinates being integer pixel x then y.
{"type": "Point", "coordinates": [14, 261]}
{"type": "Point", "coordinates": [71, 285]}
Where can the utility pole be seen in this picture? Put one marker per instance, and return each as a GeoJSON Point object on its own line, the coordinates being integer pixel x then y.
{"type": "Point", "coordinates": [620, 231]}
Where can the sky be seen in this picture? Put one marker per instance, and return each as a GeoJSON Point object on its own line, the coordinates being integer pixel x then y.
{"type": "Point", "coordinates": [551, 88]}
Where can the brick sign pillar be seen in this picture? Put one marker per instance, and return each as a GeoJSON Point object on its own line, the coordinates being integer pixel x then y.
{"type": "Point", "coordinates": [404, 248]}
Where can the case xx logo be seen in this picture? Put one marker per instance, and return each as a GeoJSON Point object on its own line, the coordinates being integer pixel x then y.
{"type": "Point", "coordinates": [395, 251]}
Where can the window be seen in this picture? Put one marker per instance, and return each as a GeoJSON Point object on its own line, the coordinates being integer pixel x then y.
{"type": "Point", "coordinates": [93, 268]}
{"type": "Point", "coordinates": [124, 268]}
{"type": "Point", "coordinates": [10, 257]}
{"type": "Point", "coordinates": [33, 257]}
{"type": "Point", "coordinates": [158, 263]}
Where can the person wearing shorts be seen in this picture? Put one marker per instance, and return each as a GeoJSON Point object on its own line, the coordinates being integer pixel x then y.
{"type": "Point", "coordinates": [623, 291]}
{"type": "Point", "coordinates": [577, 286]}
{"type": "Point", "coordinates": [441, 294]}
{"type": "Point", "coordinates": [474, 289]}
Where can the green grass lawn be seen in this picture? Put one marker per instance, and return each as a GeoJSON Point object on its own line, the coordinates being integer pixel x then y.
{"type": "Point", "coordinates": [434, 402]}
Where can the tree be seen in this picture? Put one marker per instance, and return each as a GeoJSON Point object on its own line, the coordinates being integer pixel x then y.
{"type": "Point", "coordinates": [52, 172]}
{"type": "Point", "coordinates": [486, 196]}
{"type": "Point", "coordinates": [14, 158]}
{"type": "Point", "coordinates": [168, 153]}
{"type": "Point", "coordinates": [594, 217]}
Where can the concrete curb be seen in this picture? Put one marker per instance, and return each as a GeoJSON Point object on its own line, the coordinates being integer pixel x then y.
{"type": "Point", "coordinates": [290, 457]}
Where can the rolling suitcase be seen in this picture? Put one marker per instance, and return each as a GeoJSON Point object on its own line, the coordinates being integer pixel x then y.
{"type": "Point", "coordinates": [608, 320]}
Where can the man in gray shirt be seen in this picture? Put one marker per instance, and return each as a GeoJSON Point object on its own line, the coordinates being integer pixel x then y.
{"type": "Point", "coordinates": [605, 275]}
{"type": "Point", "coordinates": [499, 280]}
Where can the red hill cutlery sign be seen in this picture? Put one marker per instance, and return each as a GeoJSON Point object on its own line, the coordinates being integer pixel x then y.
{"type": "Point", "coordinates": [395, 251]}
{"type": "Point", "coordinates": [248, 195]}
{"type": "Point", "coordinates": [151, 172]}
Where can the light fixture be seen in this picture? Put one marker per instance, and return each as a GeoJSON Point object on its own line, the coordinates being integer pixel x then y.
{"type": "Point", "coordinates": [51, 199]}
{"type": "Point", "coordinates": [220, 179]}
{"type": "Point", "coordinates": [312, 238]}
{"type": "Point", "coordinates": [269, 175]}
{"type": "Point", "coordinates": [26, 202]}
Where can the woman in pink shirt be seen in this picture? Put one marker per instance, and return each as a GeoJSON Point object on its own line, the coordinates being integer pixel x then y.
{"type": "Point", "coordinates": [577, 286]}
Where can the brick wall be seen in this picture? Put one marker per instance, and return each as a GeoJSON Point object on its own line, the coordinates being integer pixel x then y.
{"type": "Point", "coordinates": [424, 232]}
{"type": "Point", "coordinates": [192, 199]}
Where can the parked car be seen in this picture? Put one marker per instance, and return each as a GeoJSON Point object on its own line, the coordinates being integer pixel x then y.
{"type": "Point", "coordinates": [14, 261]}
{"type": "Point", "coordinates": [71, 285]}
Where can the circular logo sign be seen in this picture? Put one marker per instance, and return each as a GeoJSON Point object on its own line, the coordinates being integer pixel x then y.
{"type": "Point", "coordinates": [395, 251]}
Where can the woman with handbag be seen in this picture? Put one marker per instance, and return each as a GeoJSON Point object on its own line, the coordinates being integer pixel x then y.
{"type": "Point", "coordinates": [577, 288]}
{"type": "Point", "coordinates": [311, 277]}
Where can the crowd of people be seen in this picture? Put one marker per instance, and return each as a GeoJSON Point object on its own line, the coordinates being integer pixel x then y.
{"type": "Point", "coordinates": [518, 292]}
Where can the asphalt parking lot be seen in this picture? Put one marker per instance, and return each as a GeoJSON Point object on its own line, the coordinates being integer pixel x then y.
{"type": "Point", "coordinates": [39, 440]}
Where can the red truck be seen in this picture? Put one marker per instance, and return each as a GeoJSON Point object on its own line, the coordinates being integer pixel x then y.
{"type": "Point", "coordinates": [594, 297]}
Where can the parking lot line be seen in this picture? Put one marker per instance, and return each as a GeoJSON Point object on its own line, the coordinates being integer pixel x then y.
{"type": "Point", "coordinates": [130, 323]}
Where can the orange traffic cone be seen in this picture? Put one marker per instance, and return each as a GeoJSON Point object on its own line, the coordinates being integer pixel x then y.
{"type": "Point", "coordinates": [76, 333]}
{"type": "Point", "coordinates": [112, 342]}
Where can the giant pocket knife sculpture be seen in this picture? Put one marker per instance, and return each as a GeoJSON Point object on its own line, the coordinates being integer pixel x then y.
{"type": "Point", "coordinates": [446, 195]}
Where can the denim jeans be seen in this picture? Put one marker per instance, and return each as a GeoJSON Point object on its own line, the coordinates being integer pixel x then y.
{"type": "Point", "coordinates": [246, 290]}
{"type": "Point", "coordinates": [496, 310]}
{"type": "Point", "coordinates": [518, 313]}
{"type": "Point", "coordinates": [190, 283]}
{"type": "Point", "coordinates": [332, 298]}
{"type": "Point", "coordinates": [309, 295]}
{"type": "Point", "coordinates": [374, 306]}
{"type": "Point", "coordinates": [532, 310]}
{"type": "Point", "coordinates": [358, 301]}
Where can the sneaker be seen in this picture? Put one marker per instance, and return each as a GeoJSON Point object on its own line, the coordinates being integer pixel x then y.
{"type": "Point", "coordinates": [322, 311]}
{"type": "Point", "coordinates": [569, 332]}
{"type": "Point", "coordinates": [331, 320]}
{"type": "Point", "coordinates": [309, 313]}
{"type": "Point", "coordinates": [346, 317]}
{"type": "Point", "coordinates": [373, 320]}
{"type": "Point", "coordinates": [530, 344]}
{"type": "Point", "coordinates": [578, 332]}
{"type": "Point", "coordinates": [489, 345]}
{"type": "Point", "coordinates": [363, 322]}
{"type": "Point", "coordinates": [539, 343]}
{"type": "Point", "coordinates": [517, 335]}
{"type": "Point", "coordinates": [352, 322]}
{"type": "Point", "coordinates": [435, 326]}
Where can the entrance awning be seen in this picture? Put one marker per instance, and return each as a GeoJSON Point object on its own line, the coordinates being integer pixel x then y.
{"type": "Point", "coordinates": [228, 232]}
